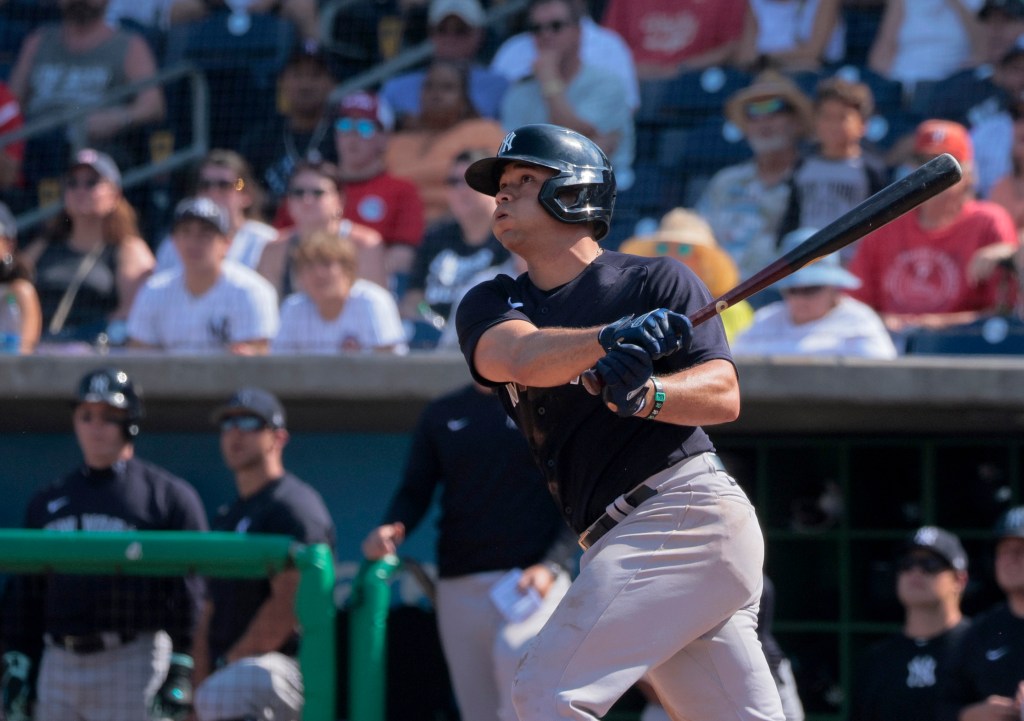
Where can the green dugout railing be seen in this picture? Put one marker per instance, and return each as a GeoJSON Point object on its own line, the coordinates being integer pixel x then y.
{"type": "Point", "coordinates": [368, 621]}
{"type": "Point", "coordinates": [218, 554]}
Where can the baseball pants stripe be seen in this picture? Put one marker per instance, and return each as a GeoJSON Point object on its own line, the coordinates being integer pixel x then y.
{"type": "Point", "coordinates": [670, 593]}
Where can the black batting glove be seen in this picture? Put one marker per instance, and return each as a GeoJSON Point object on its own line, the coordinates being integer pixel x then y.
{"type": "Point", "coordinates": [173, 700]}
{"type": "Point", "coordinates": [625, 371]}
{"type": "Point", "coordinates": [660, 332]}
{"type": "Point", "coordinates": [15, 686]}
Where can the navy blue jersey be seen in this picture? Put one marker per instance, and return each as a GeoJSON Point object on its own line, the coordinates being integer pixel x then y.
{"type": "Point", "coordinates": [287, 506]}
{"type": "Point", "coordinates": [588, 454]}
{"type": "Point", "coordinates": [495, 510]}
{"type": "Point", "coordinates": [131, 496]}
{"type": "Point", "coordinates": [989, 662]}
{"type": "Point", "coordinates": [900, 677]}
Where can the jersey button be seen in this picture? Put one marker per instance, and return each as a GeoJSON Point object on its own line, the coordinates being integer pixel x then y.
{"type": "Point", "coordinates": [541, 411]}
{"type": "Point", "coordinates": [544, 310]}
{"type": "Point", "coordinates": [568, 510]}
{"type": "Point", "coordinates": [551, 463]}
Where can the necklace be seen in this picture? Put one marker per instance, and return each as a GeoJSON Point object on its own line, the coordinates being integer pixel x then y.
{"type": "Point", "coordinates": [312, 153]}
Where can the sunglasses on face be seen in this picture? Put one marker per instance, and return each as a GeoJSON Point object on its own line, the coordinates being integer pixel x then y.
{"type": "Point", "coordinates": [929, 564]}
{"type": "Point", "coordinates": [455, 181]}
{"type": "Point", "coordinates": [554, 27]}
{"type": "Point", "coordinates": [243, 423]}
{"type": "Point", "coordinates": [804, 290]}
{"type": "Point", "coordinates": [300, 193]}
{"type": "Point", "coordinates": [765, 108]}
{"type": "Point", "coordinates": [87, 183]}
{"type": "Point", "coordinates": [365, 128]}
{"type": "Point", "coordinates": [220, 184]}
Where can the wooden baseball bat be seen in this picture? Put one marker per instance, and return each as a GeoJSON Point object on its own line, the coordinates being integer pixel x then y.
{"type": "Point", "coordinates": [883, 207]}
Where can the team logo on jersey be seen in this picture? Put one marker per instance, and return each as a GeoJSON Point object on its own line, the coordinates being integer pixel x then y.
{"type": "Point", "coordinates": [57, 504]}
{"type": "Point", "coordinates": [921, 672]}
{"type": "Point", "coordinates": [994, 654]}
{"type": "Point", "coordinates": [457, 424]}
{"type": "Point", "coordinates": [506, 144]}
{"type": "Point", "coordinates": [513, 304]}
{"type": "Point", "coordinates": [243, 525]}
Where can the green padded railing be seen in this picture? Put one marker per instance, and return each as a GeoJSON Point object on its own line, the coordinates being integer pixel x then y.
{"type": "Point", "coordinates": [179, 553]}
{"type": "Point", "coordinates": [368, 621]}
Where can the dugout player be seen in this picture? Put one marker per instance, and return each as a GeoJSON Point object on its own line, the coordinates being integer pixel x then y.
{"type": "Point", "coordinates": [986, 680]}
{"type": "Point", "coordinates": [248, 635]}
{"type": "Point", "coordinates": [671, 576]}
{"type": "Point", "coordinates": [900, 676]}
{"type": "Point", "coordinates": [496, 515]}
{"type": "Point", "coordinates": [112, 647]}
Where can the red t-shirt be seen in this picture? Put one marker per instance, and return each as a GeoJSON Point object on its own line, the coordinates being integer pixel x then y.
{"type": "Point", "coordinates": [667, 32]}
{"type": "Point", "coordinates": [391, 206]}
{"type": "Point", "coordinates": [905, 268]}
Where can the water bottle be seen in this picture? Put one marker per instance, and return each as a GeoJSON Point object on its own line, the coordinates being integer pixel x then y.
{"type": "Point", "coordinates": [10, 325]}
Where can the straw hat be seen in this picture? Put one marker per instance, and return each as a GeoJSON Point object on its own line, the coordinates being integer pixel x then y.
{"type": "Point", "coordinates": [767, 85]}
{"type": "Point", "coordinates": [687, 237]}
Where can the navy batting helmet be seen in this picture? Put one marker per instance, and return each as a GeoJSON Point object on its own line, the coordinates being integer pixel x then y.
{"type": "Point", "coordinates": [113, 387]}
{"type": "Point", "coordinates": [583, 187]}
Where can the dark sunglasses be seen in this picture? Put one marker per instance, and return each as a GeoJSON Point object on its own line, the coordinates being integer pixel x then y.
{"type": "Point", "coordinates": [455, 181]}
{"type": "Point", "coordinates": [365, 128]}
{"type": "Point", "coordinates": [220, 184]}
{"type": "Point", "coordinates": [804, 290]}
{"type": "Point", "coordinates": [303, 192]}
{"type": "Point", "coordinates": [929, 564]}
{"type": "Point", "coordinates": [243, 423]}
{"type": "Point", "coordinates": [554, 27]}
{"type": "Point", "coordinates": [88, 183]}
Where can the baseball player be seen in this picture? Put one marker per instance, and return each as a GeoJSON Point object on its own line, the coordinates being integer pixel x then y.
{"type": "Point", "coordinates": [986, 678]}
{"type": "Point", "coordinates": [115, 648]}
{"type": "Point", "coordinates": [901, 675]}
{"type": "Point", "coordinates": [671, 576]}
{"type": "Point", "coordinates": [495, 516]}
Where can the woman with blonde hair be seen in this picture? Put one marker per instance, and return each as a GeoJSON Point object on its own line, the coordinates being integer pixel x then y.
{"type": "Point", "coordinates": [90, 262]}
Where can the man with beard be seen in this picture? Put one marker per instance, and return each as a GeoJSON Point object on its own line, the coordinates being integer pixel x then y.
{"type": "Point", "coordinates": [74, 63]}
{"type": "Point", "coordinates": [747, 203]}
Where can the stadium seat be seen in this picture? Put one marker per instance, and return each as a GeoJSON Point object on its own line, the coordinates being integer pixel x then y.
{"type": "Point", "coordinates": [689, 98]}
{"type": "Point", "coordinates": [995, 335]}
{"type": "Point", "coordinates": [241, 70]}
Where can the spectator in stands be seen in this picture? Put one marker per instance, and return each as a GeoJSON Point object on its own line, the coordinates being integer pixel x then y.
{"type": "Point", "coordinates": [303, 13]}
{"type": "Point", "coordinates": [992, 124]}
{"type": "Point", "coordinates": [1008, 191]}
{"type": "Point", "coordinates": [336, 311]}
{"type": "Point", "coordinates": [316, 202]}
{"type": "Point", "coordinates": [209, 304]}
{"type": "Point", "coordinates": [838, 174]}
{"type": "Point", "coordinates": [496, 517]}
{"type": "Point", "coordinates": [248, 635]}
{"type": "Point", "coordinates": [668, 37]}
{"type": "Point", "coordinates": [599, 46]}
{"type": "Point", "coordinates": [986, 678]}
{"type": "Point", "coordinates": [115, 646]}
{"type": "Point", "coordinates": [793, 35]}
{"type": "Point", "coordinates": [447, 124]}
{"type": "Point", "coordinates": [301, 131]}
{"type": "Point", "coordinates": [454, 250]}
{"type": "Point", "coordinates": [151, 15]}
{"type": "Point", "coordinates": [77, 61]}
{"type": "Point", "coordinates": [90, 261]}
{"type": "Point", "coordinates": [687, 237]}
{"type": "Point", "coordinates": [226, 178]}
{"type": "Point", "coordinates": [914, 270]}
{"type": "Point", "coordinates": [374, 197]}
{"type": "Point", "coordinates": [901, 676]}
{"type": "Point", "coordinates": [16, 283]}
{"type": "Point", "coordinates": [815, 316]}
{"type": "Point", "coordinates": [747, 203]}
{"type": "Point", "coordinates": [12, 154]}
{"type": "Point", "coordinates": [1001, 22]}
{"type": "Point", "coordinates": [457, 29]}
{"type": "Point", "coordinates": [563, 90]}
{"type": "Point", "coordinates": [924, 40]}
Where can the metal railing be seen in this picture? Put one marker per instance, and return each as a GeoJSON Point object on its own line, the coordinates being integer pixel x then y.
{"type": "Point", "coordinates": [178, 158]}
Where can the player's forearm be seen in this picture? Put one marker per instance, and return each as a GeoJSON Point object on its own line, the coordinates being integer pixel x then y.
{"type": "Point", "coordinates": [538, 357]}
{"type": "Point", "coordinates": [274, 622]}
{"type": "Point", "coordinates": [700, 396]}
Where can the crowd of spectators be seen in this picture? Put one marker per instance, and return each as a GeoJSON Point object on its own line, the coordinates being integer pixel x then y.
{"type": "Point", "coordinates": [813, 118]}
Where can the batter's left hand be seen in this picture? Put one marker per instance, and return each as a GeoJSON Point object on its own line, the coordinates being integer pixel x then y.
{"type": "Point", "coordinates": [660, 332]}
{"type": "Point", "coordinates": [625, 371]}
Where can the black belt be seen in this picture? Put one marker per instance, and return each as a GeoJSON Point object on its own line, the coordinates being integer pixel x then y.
{"type": "Point", "coordinates": [627, 503]}
{"type": "Point", "coordinates": [90, 643]}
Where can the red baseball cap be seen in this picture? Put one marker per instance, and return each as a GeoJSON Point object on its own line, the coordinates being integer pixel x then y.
{"type": "Point", "coordinates": [362, 104]}
{"type": "Point", "coordinates": [934, 137]}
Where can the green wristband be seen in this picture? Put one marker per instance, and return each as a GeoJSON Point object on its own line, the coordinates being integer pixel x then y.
{"type": "Point", "coordinates": [659, 399]}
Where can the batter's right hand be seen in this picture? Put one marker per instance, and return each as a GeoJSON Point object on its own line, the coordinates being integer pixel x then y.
{"type": "Point", "coordinates": [15, 686]}
{"type": "Point", "coordinates": [383, 541]}
{"type": "Point", "coordinates": [625, 371]}
{"type": "Point", "coordinates": [660, 332]}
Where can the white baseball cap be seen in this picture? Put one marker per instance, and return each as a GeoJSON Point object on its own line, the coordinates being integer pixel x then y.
{"type": "Point", "coordinates": [470, 11]}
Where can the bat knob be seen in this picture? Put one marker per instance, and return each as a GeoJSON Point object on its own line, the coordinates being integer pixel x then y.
{"type": "Point", "coordinates": [592, 382]}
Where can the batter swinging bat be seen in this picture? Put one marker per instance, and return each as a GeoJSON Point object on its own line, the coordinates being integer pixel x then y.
{"type": "Point", "coordinates": [883, 207]}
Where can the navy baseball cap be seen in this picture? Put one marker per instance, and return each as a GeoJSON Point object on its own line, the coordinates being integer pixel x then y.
{"type": "Point", "coordinates": [202, 209]}
{"type": "Point", "coordinates": [942, 543]}
{"type": "Point", "coordinates": [1011, 525]}
{"type": "Point", "coordinates": [252, 401]}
